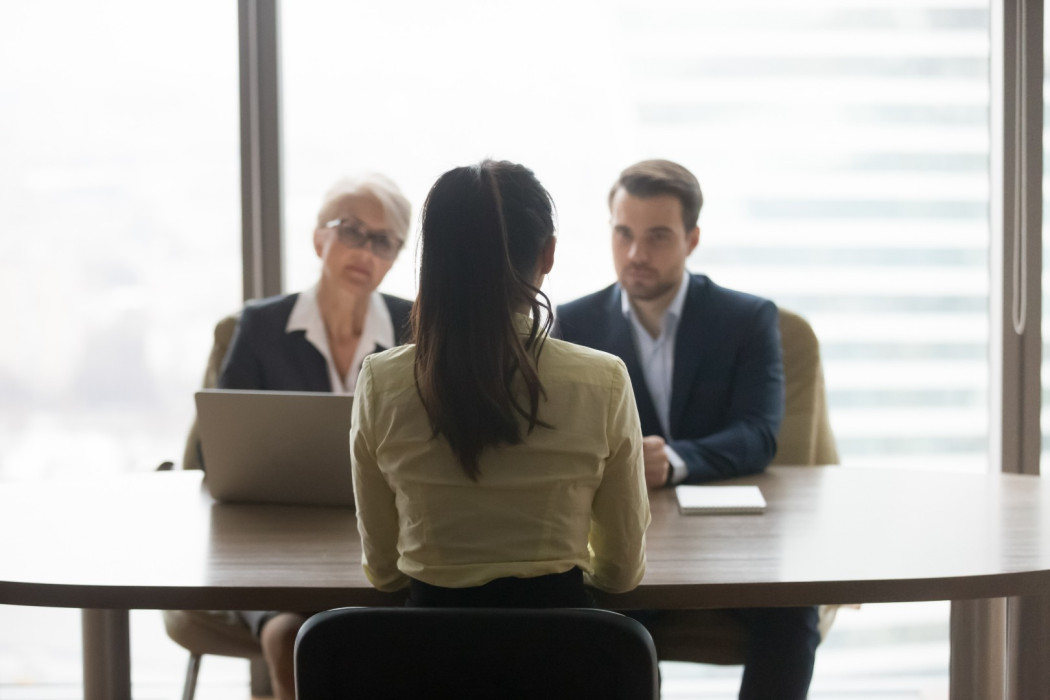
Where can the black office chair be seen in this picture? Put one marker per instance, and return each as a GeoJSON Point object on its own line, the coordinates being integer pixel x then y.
{"type": "Point", "coordinates": [550, 653]}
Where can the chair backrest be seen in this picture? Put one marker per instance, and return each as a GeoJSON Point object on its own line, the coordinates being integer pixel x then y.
{"type": "Point", "coordinates": [805, 435]}
{"type": "Point", "coordinates": [474, 653]}
{"type": "Point", "coordinates": [224, 329]}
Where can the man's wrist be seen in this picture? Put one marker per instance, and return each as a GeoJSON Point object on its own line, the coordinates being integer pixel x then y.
{"type": "Point", "coordinates": [677, 471]}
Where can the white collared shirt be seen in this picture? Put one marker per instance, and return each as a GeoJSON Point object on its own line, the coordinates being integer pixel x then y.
{"type": "Point", "coordinates": [378, 331]}
{"type": "Point", "coordinates": [656, 357]}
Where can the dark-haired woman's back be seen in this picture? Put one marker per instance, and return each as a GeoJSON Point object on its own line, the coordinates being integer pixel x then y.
{"type": "Point", "coordinates": [570, 497]}
{"type": "Point", "coordinates": [494, 466]}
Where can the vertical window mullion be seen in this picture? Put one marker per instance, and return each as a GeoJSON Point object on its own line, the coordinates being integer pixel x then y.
{"type": "Point", "coordinates": [1016, 223]}
{"type": "Point", "coordinates": [260, 148]}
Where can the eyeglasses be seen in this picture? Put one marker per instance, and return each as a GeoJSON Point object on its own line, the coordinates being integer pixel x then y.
{"type": "Point", "coordinates": [353, 234]}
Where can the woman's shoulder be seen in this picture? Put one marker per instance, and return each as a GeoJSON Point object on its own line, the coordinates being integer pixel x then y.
{"type": "Point", "coordinates": [270, 312]}
{"type": "Point", "coordinates": [572, 362]}
{"type": "Point", "coordinates": [277, 305]}
{"type": "Point", "coordinates": [392, 369]}
{"type": "Point", "coordinates": [396, 304]}
{"type": "Point", "coordinates": [400, 311]}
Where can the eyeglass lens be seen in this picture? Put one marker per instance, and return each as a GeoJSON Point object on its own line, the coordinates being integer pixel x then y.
{"type": "Point", "coordinates": [382, 245]}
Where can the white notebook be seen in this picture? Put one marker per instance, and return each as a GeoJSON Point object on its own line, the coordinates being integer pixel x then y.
{"type": "Point", "coordinates": [719, 500]}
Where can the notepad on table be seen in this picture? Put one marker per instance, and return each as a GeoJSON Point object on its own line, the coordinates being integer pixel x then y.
{"type": "Point", "coordinates": [719, 500]}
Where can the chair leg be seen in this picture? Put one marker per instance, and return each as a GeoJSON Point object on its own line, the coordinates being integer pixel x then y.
{"type": "Point", "coordinates": [260, 678]}
{"type": "Point", "coordinates": [192, 669]}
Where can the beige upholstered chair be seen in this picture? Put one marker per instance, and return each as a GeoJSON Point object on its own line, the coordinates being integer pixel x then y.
{"type": "Point", "coordinates": [205, 631]}
{"type": "Point", "coordinates": [216, 632]}
{"type": "Point", "coordinates": [805, 438]}
{"type": "Point", "coordinates": [805, 435]}
{"type": "Point", "coordinates": [223, 335]}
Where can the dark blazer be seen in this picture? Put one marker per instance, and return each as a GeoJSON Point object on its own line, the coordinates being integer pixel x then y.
{"type": "Point", "coordinates": [263, 356]}
{"type": "Point", "coordinates": [727, 397]}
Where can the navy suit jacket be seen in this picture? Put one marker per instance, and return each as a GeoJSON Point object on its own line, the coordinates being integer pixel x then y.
{"type": "Point", "coordinates": [263, 355]}
{"type": "Point", "coordinates": [727, 396]}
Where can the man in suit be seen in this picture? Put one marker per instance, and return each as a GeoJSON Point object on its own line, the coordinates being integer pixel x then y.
{"type": "Point", "coordinates": [705, 364]}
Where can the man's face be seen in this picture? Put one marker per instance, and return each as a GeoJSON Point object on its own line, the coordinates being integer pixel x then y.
{"type": "Point", "coordinates": [650, 244]}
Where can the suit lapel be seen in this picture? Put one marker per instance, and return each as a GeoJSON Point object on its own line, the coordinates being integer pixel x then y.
{"type": "Point", "coordinates": [688, 348]}
{"type": "Point", "coordinates": [310, 362]}
{"type": "Point", "coordinates": [620, 342]}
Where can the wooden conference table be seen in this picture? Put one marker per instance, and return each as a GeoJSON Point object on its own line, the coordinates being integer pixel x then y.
{"type": "Point", "coordinates": [830, 535]}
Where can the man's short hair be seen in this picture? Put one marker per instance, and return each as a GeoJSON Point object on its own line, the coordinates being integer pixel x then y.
{"type": "Point", "coordinates": [652, 178]}
{"type": "Point", "coordinates": [395, 205]}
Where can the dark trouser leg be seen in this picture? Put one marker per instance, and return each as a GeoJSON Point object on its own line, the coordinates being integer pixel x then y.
{"type": "Point", "coordinates": [781, 652]}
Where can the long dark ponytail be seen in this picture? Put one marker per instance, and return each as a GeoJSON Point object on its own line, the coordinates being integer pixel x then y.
{"type": "Point", "coordinates": [485, 228]}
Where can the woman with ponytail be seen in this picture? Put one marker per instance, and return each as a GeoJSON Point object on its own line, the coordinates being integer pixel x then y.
{"type": "Point", "coordinates": [493, 465]}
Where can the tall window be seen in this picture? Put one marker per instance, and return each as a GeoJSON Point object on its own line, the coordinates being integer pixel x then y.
{"type": "Point", "coordinates": [842, 147]}
{"type": "Point", "coordinates": [119, 197]}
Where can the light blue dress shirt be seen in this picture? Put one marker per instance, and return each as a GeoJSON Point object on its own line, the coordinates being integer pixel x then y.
{"type": "Point", "coordinates": [656, 357]}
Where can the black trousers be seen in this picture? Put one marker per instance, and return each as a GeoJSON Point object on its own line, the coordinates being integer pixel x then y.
{"type": "Point", "coordinates": [782, 648]}
{"type": "Point", "coordinates": [563, 590]}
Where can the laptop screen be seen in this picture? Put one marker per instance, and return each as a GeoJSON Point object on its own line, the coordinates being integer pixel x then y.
{"type": "Point", "coordinates": [276, 446]}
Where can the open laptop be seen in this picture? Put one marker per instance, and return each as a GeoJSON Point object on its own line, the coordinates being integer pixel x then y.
{"type": "Point", "coordinates": [281, 447]}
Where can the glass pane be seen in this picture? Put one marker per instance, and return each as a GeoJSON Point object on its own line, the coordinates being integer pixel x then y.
{"type": "Point", "coordinates": [119, 197]}
{"type": "Point", "coordinates": [121, 247]}
{"type": "Point", "coordinates": [842, 147]}
{"type": "Point", "coordinates": [843, 150]}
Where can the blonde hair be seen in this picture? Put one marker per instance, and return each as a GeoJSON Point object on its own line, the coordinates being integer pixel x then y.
{"type": "Point", "coordinates": [395, 205]}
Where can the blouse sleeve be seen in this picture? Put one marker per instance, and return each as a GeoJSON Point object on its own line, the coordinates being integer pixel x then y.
{"type": "Point", "coordinates": [620, 511]}
{"type": "Point", "coordinates": [377, 519]}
